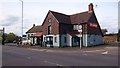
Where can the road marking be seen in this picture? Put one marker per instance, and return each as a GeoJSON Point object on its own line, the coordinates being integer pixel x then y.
{"type": "Point", "coordinates": [37, 49]}
{"type": "Point", "coordinates": [104, 53]}
{"type": "Point", "coordinates": [95, 51]}
{"type": "Point", "coordinates": [53, 63]}
{"type": "Point", "coordinates": [60, 51]}
{"type": "Point", "coordinates": [28, 57]}
{"type": "Point", "coordinates": [85, 54]}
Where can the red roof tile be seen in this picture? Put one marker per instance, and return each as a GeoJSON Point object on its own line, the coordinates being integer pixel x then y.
{"type": "Point", "coordinates": [37, 34]}
{"type": "Point", "coordinates": [80, 17]}
{"type": "Point", "coordinates": [62, 18]}
{"type": "Point", "coordinates": [35, 29]}
{"type": "Point", "coordinates": [72, 19]}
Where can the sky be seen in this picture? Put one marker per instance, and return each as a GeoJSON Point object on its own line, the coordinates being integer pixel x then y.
{"type": "Point", "coordinates": [35, 11]}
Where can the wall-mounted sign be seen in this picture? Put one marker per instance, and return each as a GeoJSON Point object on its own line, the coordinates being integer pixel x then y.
{"type": "Point", "coordinates": [80, 28]}
{"type": "Point", "coordinates": [93, 25]}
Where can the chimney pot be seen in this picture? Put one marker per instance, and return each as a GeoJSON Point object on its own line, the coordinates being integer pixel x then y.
{"type": "Point", "coordinates": [90, 7]}
{"type": "Point", "coordinates": [33, 25]}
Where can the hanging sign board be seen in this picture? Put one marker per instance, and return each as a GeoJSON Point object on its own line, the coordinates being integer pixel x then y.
{"type": "Point", "coordinates": [93, 25]}
{"type": "Point", "coordinates": [80, 28]}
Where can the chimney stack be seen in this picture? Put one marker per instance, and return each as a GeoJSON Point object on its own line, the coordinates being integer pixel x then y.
{"type": "Point", "coordinates": [33, 25]}
{"type": "Point", "coordinates": [90, 7]}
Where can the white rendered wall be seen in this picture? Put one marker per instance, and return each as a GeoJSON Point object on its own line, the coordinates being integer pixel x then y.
{"type": "Point", "coordinates": [55, 44]}
{"type": "Point", "coordinates": [30, 34]}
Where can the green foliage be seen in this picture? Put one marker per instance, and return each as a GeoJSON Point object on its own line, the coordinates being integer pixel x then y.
{"type": "Point", "coordinates": [0, 38]}
{"type": "Point", "coordinates": [11, 37]}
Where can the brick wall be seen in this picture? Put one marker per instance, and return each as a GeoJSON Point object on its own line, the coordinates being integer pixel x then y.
{"type": "Point", "coordinates": [110, 38]}
{"type": "Point", "coordinates": [54, 24]}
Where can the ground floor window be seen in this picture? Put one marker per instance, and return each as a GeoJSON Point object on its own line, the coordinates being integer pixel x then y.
{"type": "Point", "coordinates": [76, 39]}
{"type": "Point", "coordinates": [49, 40]}
{"type": "Point", "coordinates": [65, 39]}
{"type": "Point", "coordinates": [55, 39]}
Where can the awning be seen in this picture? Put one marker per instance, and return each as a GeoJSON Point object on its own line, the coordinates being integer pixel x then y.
{"type": "Point", "coordinates": [37, 34]}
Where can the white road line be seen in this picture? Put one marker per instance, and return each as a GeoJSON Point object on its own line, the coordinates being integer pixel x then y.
{"type": "Point", "coordinates": [94, 51]}
{"type": "Point", "coordinates": [37, 49]}
{"type": "Point", "coordinates": [85, 54]}
{"type": "Point", "coordinates": [60, 51]}
{"type": "Point", "coordinates": [104, 53]}
{"type": "Point", "coordinates": [53, 63]}
{"type": "Point", "coordinates": [28, 57]}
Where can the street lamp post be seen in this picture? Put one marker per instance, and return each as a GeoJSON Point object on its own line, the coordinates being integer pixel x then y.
{"type": "Point", "coordinates": [22, 19]}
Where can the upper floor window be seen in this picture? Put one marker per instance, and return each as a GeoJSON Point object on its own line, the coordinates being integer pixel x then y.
{"type": "Point", "coordinates": [49, 29]}
{"type": "Point", "coordinates": [49, 21]}
{"type": "Point", "coordinates": [28, 36]}
{"type": "Point", "coordinates": [75, 27]}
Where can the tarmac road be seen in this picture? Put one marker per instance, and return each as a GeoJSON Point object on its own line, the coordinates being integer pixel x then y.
{"type": "Point", "coordinates": [18, 56]}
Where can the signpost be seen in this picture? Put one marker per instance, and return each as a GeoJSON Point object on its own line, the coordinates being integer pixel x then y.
{"type": "Point", "coordinates": [3, 35]}
{"type": "Point", "coordinates": [80, 30]}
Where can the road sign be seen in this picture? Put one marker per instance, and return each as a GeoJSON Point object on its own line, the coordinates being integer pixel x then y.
{"type": "Point", "coordinates": [80, 28]}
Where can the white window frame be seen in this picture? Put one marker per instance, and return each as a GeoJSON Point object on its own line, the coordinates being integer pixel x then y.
{"type": "Point", "coordinates": [55, 39]}
{"type": "Point", "coordinates": [75, 27]}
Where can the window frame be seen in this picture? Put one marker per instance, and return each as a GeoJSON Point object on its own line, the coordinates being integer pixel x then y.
{"type": "Point", "coordinates": [49, 29]}
{"type": "Point", "coordinates": [49, 21]}
{"type": "Point", "coordinates": [75, 27]}
{"type": "Point", "coordinates": [55, 39]}
{"type": "Point", "coordinates": [65, 39]}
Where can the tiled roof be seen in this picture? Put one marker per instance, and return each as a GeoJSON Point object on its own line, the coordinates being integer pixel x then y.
{"type": "Point", "coordinates": [66, 19]}
{"type": "Point", "coordinates": [72, 19]}
{"type": "Point", "coordinates": [37, 34]}
{"type": "Point", "coordinates": [62, 18]}
{"type": "Point", "coordinates": [35, 29]}
{"type": "Point", "coordinates": [80, 17]}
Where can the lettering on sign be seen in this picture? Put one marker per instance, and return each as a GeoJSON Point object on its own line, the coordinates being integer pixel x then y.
{"type": "Point", "coordinates": [80, 28]}
{"type": "Point", "coordinates": [93, 25]}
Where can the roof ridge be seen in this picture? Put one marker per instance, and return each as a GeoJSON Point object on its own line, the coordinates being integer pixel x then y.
{"type": "Point", "coordinates": [38, 25]}
{"type": "Point", "coordinates": [59, 13]}
{"type": "Point", "coordinates": [79, 13]}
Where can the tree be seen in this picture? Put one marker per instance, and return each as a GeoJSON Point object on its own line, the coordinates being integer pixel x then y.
{"type": "Point", "coordinates": [11, 37]}
{"type": "Point", "coordinates": [104, 31]}
{"type": "Point", "coordinates": [0, 37]}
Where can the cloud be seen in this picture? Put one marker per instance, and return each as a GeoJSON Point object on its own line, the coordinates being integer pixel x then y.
{"type": "Point", "coordinates": [110, 23]}
{"type": "Point", "coordinates": [9, 20]}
